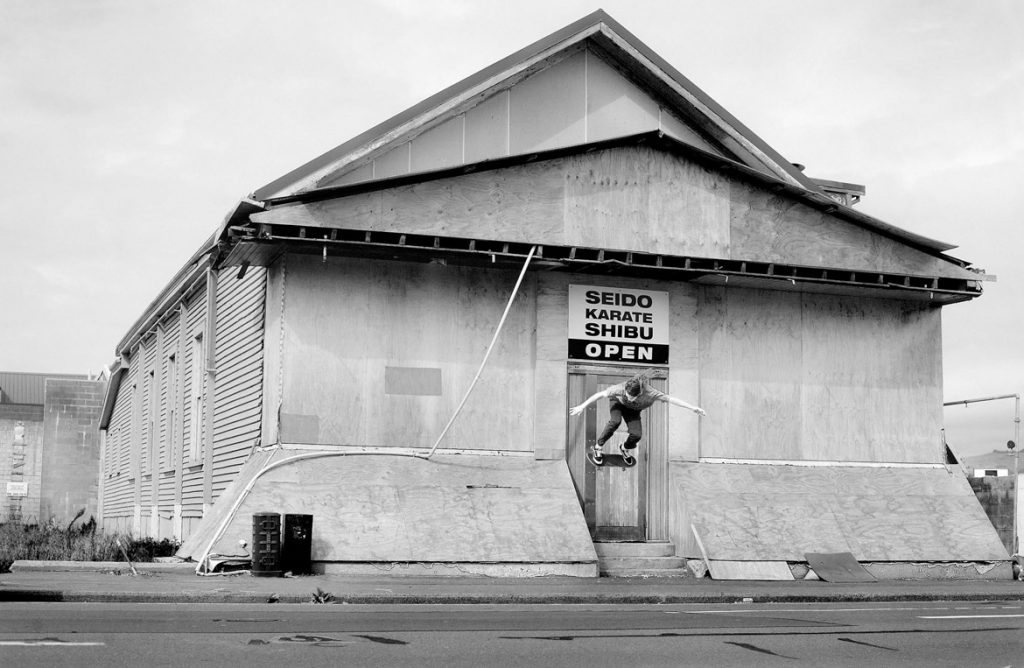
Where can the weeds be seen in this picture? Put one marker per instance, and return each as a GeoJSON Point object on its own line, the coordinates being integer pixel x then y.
{"type": "Point", "coordinates": [321, 596]}
{"type": "Point", "coordinates": [82, 543]}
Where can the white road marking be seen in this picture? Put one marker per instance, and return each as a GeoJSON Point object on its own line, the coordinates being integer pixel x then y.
{"type": "Point", "coordinates": [774, 610]}
{"type": "Point", "coordinates": [47, 643]}
{"type": "Point", "coordinates": [966, 616]}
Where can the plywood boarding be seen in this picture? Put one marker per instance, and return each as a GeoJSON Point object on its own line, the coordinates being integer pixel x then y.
{"type": "Point", "coordinates": [779, 513]}
{"type": "Point", "coordinates": [626, 198]}
{"type": "Point", "coordinates": [347, 321]}
{"type": "Point", "coordinates": [615, 106]}
{"type": "Point", "coordinates": [794, 376]}
{"type": "Point", "coordinates": [885, 399]}
{"type": "Point", "coordinates": [684, 428]}
{"type": "Point", "coordinates": [550, 401]}
{"type": "Point", "coordinates": [771, 228]}
{"type": "Point", "coordinates": [749, 570]}
{"type": "Point", "coordinates": [200, 534]}
{"type": "Point", "coordinates": [453, 508]}
{"type": "Point", "coordinates": [750, 374]}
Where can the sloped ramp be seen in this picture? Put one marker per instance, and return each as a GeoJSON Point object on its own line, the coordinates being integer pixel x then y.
{"type": "Point", "coordinates": [760, 512]}
{"type": "Point", "coordinates": [483, 514]}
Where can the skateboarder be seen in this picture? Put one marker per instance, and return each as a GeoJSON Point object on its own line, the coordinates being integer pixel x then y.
{"type": "Point", "coordinates": [627, 400]}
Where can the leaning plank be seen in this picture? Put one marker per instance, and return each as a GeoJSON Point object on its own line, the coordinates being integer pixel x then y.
{"type": "Point", "coordinates": [749, 570]}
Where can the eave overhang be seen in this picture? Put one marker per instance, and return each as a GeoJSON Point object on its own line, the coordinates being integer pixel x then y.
{"type": "Point", "coordinates": [262, 245]}
{"type": "Point", "coordinates": [258, 240]}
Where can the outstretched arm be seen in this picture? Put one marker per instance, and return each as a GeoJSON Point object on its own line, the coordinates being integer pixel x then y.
{"type": "Point", "coordinates": [576, 410]}
{"type": "Point", "coordinates": [682, 404]}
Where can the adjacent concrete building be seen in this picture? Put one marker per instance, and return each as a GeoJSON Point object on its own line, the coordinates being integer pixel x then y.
{"type": "Point", "coordinates": [49, 446]}
{"type": "Point", "coordinates": [572, 214]}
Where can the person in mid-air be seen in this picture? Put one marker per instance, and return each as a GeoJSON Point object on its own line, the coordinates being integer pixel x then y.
{"type": "Point", "coordinates": [627, 400]}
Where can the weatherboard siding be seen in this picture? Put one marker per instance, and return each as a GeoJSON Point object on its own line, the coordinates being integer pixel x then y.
{"type": "Point", "coordinates": [239, 389]}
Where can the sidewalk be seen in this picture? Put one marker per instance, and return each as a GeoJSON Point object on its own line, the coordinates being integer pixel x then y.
{"type": "Point", "coordinates": [178, 583]}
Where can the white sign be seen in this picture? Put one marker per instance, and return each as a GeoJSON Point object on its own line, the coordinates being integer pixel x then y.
{"type": "Point", "coordinates": [17, 489]}
{"type": "Point", "coordinates": [618, 325]}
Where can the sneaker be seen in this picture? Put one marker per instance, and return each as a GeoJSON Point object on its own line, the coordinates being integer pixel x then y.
{"type": "Point", "coordinates": [597, 453]}
{"type": "Point", "coordinates": [628, 454]}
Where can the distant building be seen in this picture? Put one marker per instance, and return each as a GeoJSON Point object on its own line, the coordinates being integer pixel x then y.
{"type": "Point", "coordinates": [49, 446]}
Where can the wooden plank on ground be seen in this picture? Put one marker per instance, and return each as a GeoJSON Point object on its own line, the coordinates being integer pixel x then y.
{"type": "Point", "coordinates": [749, 570]}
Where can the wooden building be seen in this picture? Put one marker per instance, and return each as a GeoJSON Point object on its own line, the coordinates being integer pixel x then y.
{"type": "Point", "coordinates": [310, 355]}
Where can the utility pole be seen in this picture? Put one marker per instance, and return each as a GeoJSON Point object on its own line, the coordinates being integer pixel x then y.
{"type": "Point", "coordinates": [1014, 548]}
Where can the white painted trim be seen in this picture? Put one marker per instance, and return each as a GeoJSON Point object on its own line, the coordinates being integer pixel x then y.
{"type": "Point", "coordinates": [398, 451]}
{"type": "Point", "coordinates": [820, 464]}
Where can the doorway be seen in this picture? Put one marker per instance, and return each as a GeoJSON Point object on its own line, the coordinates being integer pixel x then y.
{"type": "Point", "coordinates": [617, 502]}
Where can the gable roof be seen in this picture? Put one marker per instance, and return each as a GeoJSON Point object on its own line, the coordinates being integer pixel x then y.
{"type": "Point", "coordinates": [596, 33]}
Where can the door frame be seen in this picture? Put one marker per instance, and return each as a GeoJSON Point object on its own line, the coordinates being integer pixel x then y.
{"type": "Point", "coordinates": [654, 447]}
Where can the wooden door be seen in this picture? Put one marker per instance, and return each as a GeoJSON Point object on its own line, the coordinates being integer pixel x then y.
{"type": "Point", "coordinates": [615, 500]}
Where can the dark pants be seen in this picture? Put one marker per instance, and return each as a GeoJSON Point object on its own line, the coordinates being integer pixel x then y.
{"type": "Point", "coordinates": [617, 414]}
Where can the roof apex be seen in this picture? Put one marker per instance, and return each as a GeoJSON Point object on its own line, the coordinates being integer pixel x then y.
{"type": "Point", "coordinates": [599, 25]}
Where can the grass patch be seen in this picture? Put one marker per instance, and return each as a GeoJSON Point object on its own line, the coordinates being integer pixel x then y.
{"type": "Point", "coordinates": [75, 543]}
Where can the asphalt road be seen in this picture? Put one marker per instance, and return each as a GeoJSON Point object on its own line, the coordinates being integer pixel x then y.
{"type": "Point", "coordinates": [897, 634]}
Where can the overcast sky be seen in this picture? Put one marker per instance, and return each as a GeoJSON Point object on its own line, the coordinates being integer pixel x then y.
{"type": "Point", "coordinates": [129, 128]}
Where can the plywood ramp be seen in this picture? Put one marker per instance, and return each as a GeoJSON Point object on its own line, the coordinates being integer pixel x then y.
{"type": "Point", "coordinates": [454, 509]}
{"type": "Point", "coordinates": [751, 512]}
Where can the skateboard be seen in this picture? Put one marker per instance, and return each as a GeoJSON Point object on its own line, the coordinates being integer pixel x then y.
{"type": "Point", "coordinates": [611, 459]}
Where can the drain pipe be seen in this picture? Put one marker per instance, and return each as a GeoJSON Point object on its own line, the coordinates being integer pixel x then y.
{"type": "Point", "coordinates": [494, 339]}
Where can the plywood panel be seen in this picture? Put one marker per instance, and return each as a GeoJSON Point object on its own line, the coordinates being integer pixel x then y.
{"type": "Point", "coordinates": [750, 570]}
{"type": "Point", "coordinates": [607, 200]}
{"type": "Point", "coordinates": [615, 107]}
{"type": "Point", "coordinates": [871, 380]}
{"type": "Point", "coordinates": [550, 402]}
{"type": "Point", "coordinates": [817, 377]}
{"type": "Point", "coordinates": [676, 128]}
{"type": "Point", "coordinates": [463, 508]}
{"type": "Point", "coordinates": [348, 321]}
{"type": "Point", "coordinates": [393, 163]}
{"type": "Point", "coordinates": [684, 427]}
{"type": "Point", "coordinates": [548, 109]}
{"type": "Point", "coordinates": [515, 204]}
{"type": "Point", "coordinates": [487, 129]}
{"type": "Point", "coordinates": [750, 374]}
{"type": "Point", "coordinates": [199, 538]}
{"type": "Point", "coordinates": [771, 513]}
{"type": "Point", "coordinates": [438, 147]}
{"type": "Point", "coordinates": [689, 207]}
{"type": "Point", "coordinates": [771, 228]}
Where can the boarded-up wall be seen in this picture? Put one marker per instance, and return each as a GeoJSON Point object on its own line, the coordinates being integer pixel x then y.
{"type": "Point", "coordinates": [779, 513]}
{"type": "Point", "coordinates": [818, 377]}
{"type": "Point", "coordinates": [348, 322]}
{"type": "Point", "coordinates": [632, 198]}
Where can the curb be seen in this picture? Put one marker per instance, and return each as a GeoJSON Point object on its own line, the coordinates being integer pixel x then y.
{"type": "Point", "coordinates": [38, 566]}
{"type": "Point", "coordinates": [57, 595]}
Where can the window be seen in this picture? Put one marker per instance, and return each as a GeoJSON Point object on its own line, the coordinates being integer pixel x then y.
{"type": "Point", "coordinates": [170, 446]}
{"type": "Point", "coordinates": [151, 412]}
{"type": "Point", "coordinates": [196, 397]}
